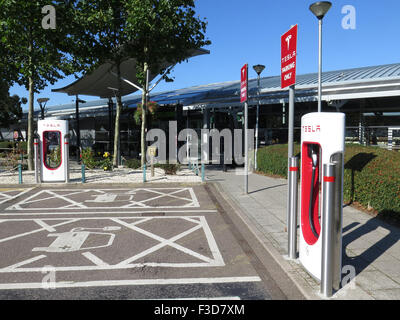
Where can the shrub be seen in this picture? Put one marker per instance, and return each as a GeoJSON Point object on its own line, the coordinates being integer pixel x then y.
{"type": "Point", "coordinates": [152, 108]}
{"type": "Point", "coordinates": [6, 144]}
{"type": "Point", "coordinates": [88, 158]}
{"type": "Point", "coordinates": [273, 159]}
{"type": "Point", "coordinates": [133, 163]}
{"type": "Point", "coordinates": [169, 168]}
{"type": "Point", "coordinates": [106, 163]}
{"type": "Point", "coordinates": [371, 175]}
{"type": "Point", "coordinates": [372, 178]}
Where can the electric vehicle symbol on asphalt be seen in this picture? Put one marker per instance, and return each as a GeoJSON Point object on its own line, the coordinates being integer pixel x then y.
{"type": "Point", "coordinates": [75, 239]}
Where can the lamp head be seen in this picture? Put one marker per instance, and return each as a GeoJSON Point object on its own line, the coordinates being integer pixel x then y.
{"type": "Point", "coordinates": [320, 8]}
{"type": "Point", "coordinates": [258, 68]}
{"type": "Point", "coordinates": [41, 100]}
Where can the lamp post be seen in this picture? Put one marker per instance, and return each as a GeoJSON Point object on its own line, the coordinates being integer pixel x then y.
{"type": "Point", "coordinates": [42, 106]}
{"type": "Point", "coordinates": [258, 68]}
{"type": "Point", "coordinates": [78, 130]}
{"type": "Point", "coordinates": [319, 9]}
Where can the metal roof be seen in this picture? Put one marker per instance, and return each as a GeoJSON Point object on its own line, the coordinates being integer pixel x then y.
{"type": "Point", "coordinates": [374, 81]}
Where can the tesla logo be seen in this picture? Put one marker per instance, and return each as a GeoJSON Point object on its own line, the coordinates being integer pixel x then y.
{"type": "Point", "coordinates": [312, 128]}
{"type": "Point", "coordinates": [288, 41]}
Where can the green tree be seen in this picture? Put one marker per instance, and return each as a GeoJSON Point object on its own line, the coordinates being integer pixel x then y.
{"type": "Point", "coordinates": [153, 32]}
{"type": "Point", "coordinates": [162, 31]}
{"type": "Point", "coordinates": [39, 56]}
{"type": "Point", "coordinates": [10, 106]}
{"type": "Point", "coordinates": [105, 23]}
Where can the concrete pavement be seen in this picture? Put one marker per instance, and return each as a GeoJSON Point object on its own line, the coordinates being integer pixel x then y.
{"type": "Point", "coordinates": [370, 245]}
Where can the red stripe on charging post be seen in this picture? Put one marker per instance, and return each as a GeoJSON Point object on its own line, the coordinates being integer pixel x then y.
{"type": "Point", "coordinates": [293, 169]}
{"type": "Point", "coordinates": [329, 179]}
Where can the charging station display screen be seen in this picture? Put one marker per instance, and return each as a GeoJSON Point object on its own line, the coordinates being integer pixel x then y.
{"type": "Point", "coordinates": [52, 149]}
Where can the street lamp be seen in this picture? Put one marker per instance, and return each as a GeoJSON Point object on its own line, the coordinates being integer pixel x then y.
{"type": "Point", "coordinates": [319, 9]}
{"type": "Point", "coordinates": [40, 101]}
{"type": "Point", "coordinates": [78, 130]}
{"type": "Point", "coordinates": [258, 68]}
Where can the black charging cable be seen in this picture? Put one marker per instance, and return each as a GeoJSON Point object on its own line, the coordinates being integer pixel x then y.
{"type": "Point", "coordinates": [314, 158]}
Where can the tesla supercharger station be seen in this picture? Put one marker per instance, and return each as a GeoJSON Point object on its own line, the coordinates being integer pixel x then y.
{"type": "Point", "coordinates": [322, 145]}
{"type": "Point", "coordinates": [53, 150]}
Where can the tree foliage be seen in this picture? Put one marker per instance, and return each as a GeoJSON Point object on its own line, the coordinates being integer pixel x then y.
{"type": "Point", "coordinates": [38, 56]}
{"type": "Point", "coordinates": [153, 32]}
{"type": "Point", "coordinates": [10, 107]}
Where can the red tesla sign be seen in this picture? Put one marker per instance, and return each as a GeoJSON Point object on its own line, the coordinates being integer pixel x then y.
{"type": "Point", "coordinates": [288, 57]}
{"type": "Point", "coordinates": [243, 83]}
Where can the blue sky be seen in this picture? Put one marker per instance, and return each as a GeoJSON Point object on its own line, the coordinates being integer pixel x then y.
{"type": "Point", "coordinates": [249, 32]}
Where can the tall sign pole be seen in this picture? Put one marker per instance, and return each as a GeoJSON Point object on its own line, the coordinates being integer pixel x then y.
{"type": "Point", "coordinates": [288, 79]}
{"type": "Point", "coordinates": [288, 76]}
{"type": "Point", "coordinates": [243, 99]}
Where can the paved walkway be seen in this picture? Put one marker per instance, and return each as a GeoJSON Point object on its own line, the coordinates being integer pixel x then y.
{"type": "Point", "coordinates": [369, 244]}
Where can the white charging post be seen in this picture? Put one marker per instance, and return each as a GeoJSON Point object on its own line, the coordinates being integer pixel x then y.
{"type": "Point", "coordinates": [53, 150]}
{"type": "Point", "coordinates": [321, 196]}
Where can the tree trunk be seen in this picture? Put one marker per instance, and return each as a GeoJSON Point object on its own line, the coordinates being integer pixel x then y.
{"type": "Point", "coordinates": [30, 126]}
{"type": "Point", "coordinates": [117, 120]}
{"type": "Point", "coordinates": [144, 114]}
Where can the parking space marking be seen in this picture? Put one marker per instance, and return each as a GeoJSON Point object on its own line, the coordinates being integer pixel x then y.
{"type": "Point", "coordinates": [163, 243]}
{"type": "Point", "coordinates": [131, 211]}
{"type": "Point", "coordinates": [25, 262]}
{"type": "Point", "coordinates": [139, 282]}
{"type": "Point", "coordinates": [67, 199]}
{"type": "Point", "coordinates": [8, 194]}
{"type": "Point", "coordinates": [73, 241]}
{"type": "Point", "coordinates": [34, 231]}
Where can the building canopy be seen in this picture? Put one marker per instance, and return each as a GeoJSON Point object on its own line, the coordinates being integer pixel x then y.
{"type": "Point", "coordinates": [99, 82]}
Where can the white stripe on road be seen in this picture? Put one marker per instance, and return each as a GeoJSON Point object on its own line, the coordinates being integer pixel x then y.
{"type": "Point", "coordinates": [139, 282]}
{"type": "Point", "coordinates": [45, 225]}
{"type": "Point", "coordinates": [96, 260]}
{"type": "Point", "coordinates": [120, 211]}
{"type": "Point", "coordinates": [28, 261]}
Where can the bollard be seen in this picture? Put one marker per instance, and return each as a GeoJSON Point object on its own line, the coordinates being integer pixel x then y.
{"type": "Point", "coordinates": [292, 207]}
{"type": "Point", "coordinates": [83, 173]}
{"type": "Point", "coordinates": [37, 161]}
{"type": "Point", "coordinates": [144, 172]}
{"type": "Point", "coordinates": [20, 173]}
{"type": "Point", "coordinates": [328, 221]}
{"type": "Point", "coordinates": [66, 158]}
{"type": "Point", "coordinates": [202, 172]}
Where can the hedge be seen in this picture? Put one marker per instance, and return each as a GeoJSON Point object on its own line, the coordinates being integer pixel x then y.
{"type": "Point", "coordinates": [11, 144]}
{"type": "Point", "coordinates": [371, 175]}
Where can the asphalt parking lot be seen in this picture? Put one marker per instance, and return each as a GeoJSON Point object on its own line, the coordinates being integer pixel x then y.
{"type": "Point", "coordinates": [126, 242]}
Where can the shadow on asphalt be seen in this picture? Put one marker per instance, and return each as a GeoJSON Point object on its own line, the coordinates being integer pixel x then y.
{"type": "Point", "coordinates": [266, 188]}
{"type": "Point", "coordinates": [369, 255]}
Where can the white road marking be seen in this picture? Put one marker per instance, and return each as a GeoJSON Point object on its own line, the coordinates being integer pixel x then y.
{"type": "Point", "coordinates": [96, 260]}
{"type": "Point", "coordinates": [28, 261]}
{"type": "Point", "coordinates": [109, 197]}
{"type": "Point", "coordinates": [45, 225]}
{"type": "Point", "coordinates": [9, 197]}
{"type": "Point", "coordinates": [131, 223]}
{"type": "Point", "coordinates": [139, 282]}
{"type": "Point", "coordinates": [60, 212]}
{"type": "Point", "coordinates": [66, 199]}
{"type": "Point", "coordinates": [34, 231]}
{"type": "Point", "coordinates": [106, 197]}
